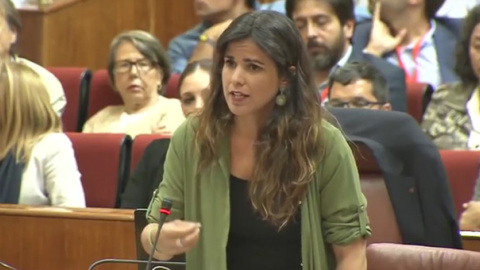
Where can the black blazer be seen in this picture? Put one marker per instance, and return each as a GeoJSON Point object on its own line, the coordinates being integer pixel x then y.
{"type": "Point", "coordinates": [394, 76]}
{"type": "Point", "coordinates": [146, 177]}
{"type": "Point", "coordinates": [409, 161]}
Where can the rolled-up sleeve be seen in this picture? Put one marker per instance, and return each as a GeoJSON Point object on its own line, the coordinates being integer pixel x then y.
{"type": "Point", "coordinates": [172, 185]}
{"type": "Point", "coordinates": [343, 205]}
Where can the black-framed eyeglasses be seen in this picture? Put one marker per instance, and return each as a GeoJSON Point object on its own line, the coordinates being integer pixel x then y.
{"type": "Point", "coordinates": [355, 103]}
{"type": "Point", "coordinates": [143, 65]}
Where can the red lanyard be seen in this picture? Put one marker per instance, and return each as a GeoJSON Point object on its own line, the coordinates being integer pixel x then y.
{"type": "Point", "coordinates": [411, 78]}
{"type": "Point", "coordinates": [324, 94]}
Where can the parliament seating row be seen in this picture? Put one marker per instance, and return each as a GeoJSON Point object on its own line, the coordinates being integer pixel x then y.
{"type": "Point", "coordinates": [87, 93]}
{"type": "Point", "coordinates": [106, 160]}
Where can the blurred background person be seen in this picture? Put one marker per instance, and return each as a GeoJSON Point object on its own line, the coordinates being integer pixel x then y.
{"type": "Point", "coordinates": [10, 27]}
{"type": "Point", "coordinates": [452, 118]}
{"type": "Point", "coordinates": [37, 162]}
{"type": "Point", "coordinates": [408, 35]}
{"type": "Point", "coordinates": [193, 88]}
{"type": "Point", "coordinates": [199, 42]}
{"type": "Point", "coordinates": [358, 85]}
{"type": "Point", "coordinates": [327, 27]}
{"type": "Point", "coordinates": [139, 70]}
{"type": "Point", "coordinates": [193, 85]}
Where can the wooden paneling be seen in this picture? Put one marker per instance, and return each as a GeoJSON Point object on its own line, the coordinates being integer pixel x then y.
{"type": "Point", "coordinates": [471, 240]}
{"type": "Point", "coordinates": [79, 32]}
{"type": "Point", "coordinates": [58, 239]}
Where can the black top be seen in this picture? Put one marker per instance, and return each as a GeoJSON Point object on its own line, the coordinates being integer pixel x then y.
{"type": "Point", "coordinates": [254, 243]}
{"type": "Point", "coordinates": [146, 177]}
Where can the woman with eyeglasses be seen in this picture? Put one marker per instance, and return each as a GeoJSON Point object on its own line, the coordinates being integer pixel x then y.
{"type": "Point", "coordinates": [139, 70]}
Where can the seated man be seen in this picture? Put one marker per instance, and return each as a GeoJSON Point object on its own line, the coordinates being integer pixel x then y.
{"type": "Point", "coordinates": [408, 34]}
{"type": "Point", "coordinates": [198, 42]}
{"type": "Point", "coordinates": [470, 219]}
{"type": "Point", "coordinates": [327, 27]}
{"type": "Point", "coordinates": [358, 85]}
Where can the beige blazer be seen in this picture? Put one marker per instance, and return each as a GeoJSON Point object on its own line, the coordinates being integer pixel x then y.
{"type": "Point", "coordinates": [167, 112]}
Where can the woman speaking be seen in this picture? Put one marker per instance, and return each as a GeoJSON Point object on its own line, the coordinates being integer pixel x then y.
{"type": "Point", "coordinates": [259, 180]}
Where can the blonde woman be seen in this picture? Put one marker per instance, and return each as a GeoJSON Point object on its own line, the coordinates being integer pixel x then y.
{"type": "Point", "coordinates": [37, 163]}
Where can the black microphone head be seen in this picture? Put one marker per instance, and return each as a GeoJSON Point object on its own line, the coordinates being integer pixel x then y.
{"type": "Point", "coordinates": [166, 204]}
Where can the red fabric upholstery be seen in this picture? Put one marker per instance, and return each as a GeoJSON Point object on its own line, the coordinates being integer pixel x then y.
{"type": "Point", "coordinates": [379, 207]}
{"type": "Point", "coordinates": [101, 93]}
{"type": "Point", "coordinates": [75, 82]}
{"type": "Point", "coordinates": [103, 161]}
{"type": "Point", "coordinates": [139, 144]}
{"type": "Point", "coordinates": [172, 86]}
{"type": "Point", "coordinates": [408, 257]}
{"type": "Point", "coordinates": [417, 95]}
{"type": "Point", "coordinates": [462, 170]}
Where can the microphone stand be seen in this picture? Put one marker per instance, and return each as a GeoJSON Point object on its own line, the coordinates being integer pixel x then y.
{"type": "Point", "coordinates": [141, 262]}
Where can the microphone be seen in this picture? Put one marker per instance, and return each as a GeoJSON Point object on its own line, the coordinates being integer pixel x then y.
{"type": "Point", "coordinates": [165, 266]}
{"type": "Point", "coordinates": [164, 212]}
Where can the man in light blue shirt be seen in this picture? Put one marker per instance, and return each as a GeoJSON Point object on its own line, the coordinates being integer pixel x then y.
{"type": "Point", "coordinates": [212, 14]}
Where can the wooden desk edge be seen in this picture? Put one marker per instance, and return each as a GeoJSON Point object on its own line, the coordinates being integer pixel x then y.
{"type": "Point", "coordinates": [47, 8]}
{"type": "Point", "coordinates": [74, 213]}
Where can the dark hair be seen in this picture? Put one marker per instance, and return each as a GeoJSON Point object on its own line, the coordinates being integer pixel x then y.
{"type": "Point", "coordinates": [13, 20]}
{"type": "Point", "coordinates": [148, 46]}
{"type": "Point", "coordinates": [290, 145]}
{"type": "Point", "coordinates": [204, 64]}
{"type": "Point", "coordinates": [361, 70]}
{"type": "Point", "coordinates": [463, 65]}
{"type": "Point", "coordinates": [344, 9]}
{"type": "Point", "coordinates": [251, 4]}
{"type": "Point", "coordinates": [431, 7]}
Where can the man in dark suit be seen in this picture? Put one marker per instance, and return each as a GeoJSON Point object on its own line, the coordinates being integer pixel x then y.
{"type": "Point", "coordinates": [413, 171]}
{"type": "Point", "coordinates": [408, 35]}
{"type": "Point", "coordinates": [327, 27]}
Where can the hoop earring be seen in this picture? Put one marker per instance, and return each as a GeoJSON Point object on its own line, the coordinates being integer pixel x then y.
{"type": "Point", "coordinates": [281, 98]}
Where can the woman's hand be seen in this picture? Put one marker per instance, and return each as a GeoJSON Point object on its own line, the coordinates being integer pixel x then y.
{"type": "Point", "coordinates": [176, 237]}
{"type": "Point", "coordinates": [161, 129]}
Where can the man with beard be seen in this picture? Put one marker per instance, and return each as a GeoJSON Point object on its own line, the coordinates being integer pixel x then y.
{"type": "Point", "coordinates": [327, 27]}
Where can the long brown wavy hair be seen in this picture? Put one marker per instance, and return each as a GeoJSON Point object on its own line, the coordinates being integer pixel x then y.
{"type": "Point", "coordinates": [289, 146]}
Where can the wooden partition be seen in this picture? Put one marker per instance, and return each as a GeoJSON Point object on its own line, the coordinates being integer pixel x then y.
{"type": "Point", "coordinates": [47, 238]}
{"type": "Point", "coordinates": [471, 240]}
{"type": "Point", "coordinates": [79, 32]}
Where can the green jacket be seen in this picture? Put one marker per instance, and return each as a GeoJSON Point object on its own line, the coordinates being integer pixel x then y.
{"type": "Point", "coordinates": [333, 211]}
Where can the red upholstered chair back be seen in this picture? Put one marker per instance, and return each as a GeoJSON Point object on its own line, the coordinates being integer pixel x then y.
{"type": "Point", "coordinates": [462, 170]}
{"type": "Point", "coordinates": [172, 86]}
{"type": "Point", "coordinates": [407, 257]}
{"type": "Point", "coordinates": [418, 95]}
{"type": "Point", "coordinates": [101, 93]}
{"type": "Point", "coordinates": [379, 208]}
{"type": "Point", "coordinates": [139, 144]}
{"type": "Point", "coordinates": [103, 161]}
{"type": "Point", "coordinates": [75, 82]}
